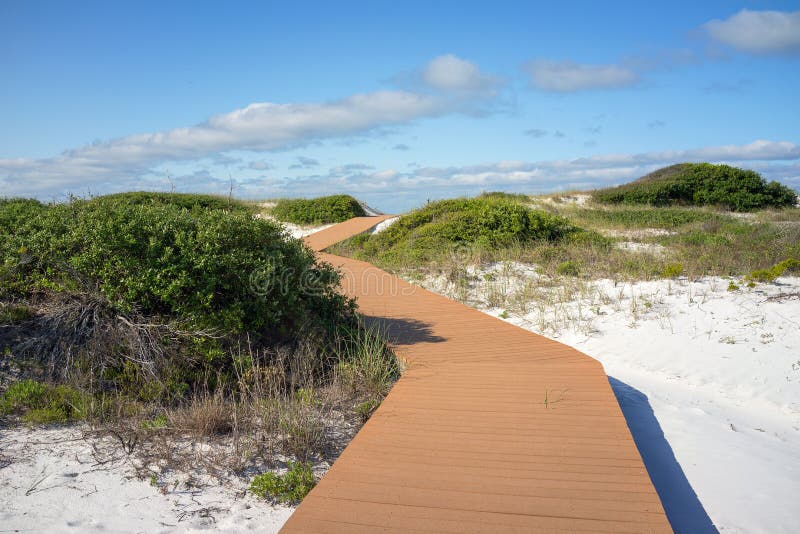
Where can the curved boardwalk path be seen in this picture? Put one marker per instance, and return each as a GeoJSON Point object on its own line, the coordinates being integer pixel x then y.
{"type": "Point", "coordinates": [490, 429]}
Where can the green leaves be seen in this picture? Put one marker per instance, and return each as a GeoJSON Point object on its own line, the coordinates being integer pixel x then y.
{"type": "Point", "coordinates": [170, 256]}
{"type": "Point", "coordinates": [442, 228]}
{"type": "Point", "coordinates": [288, 488]}
{"type": "Point", "coordinates": [702, 184]}
{"type": "Point", "coordinates": [322, 210]}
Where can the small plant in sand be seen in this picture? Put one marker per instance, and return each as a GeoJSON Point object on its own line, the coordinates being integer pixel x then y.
{"type": "Point", "coordinates": [289, 488]}
{"type": "Point", "coordinates": [769, 275]}
{"type": "Point", "coordinates": [672, 270]}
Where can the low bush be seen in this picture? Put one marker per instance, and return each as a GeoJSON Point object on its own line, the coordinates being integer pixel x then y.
{"type": "Point", "coordinates": [160, 280]}
{"type": "Point", "coordinates": [289, 488]}
{"type": "Point", "coordinates": [188, 201]}
{"type": "Point", "coordinates": [460, 227]}
{"type": "Point", "coordinates": [39, 403]}
{"type": "Point", "coordinates": [502, 195]}
{"type": "Point", "coordinates": [672, 270]}
{"type": "Point", "coordinates": [322, 210]}
{"type": "Point", "coordinates": [702, 184]}
{"type": "Point", "coordinates": [769, 275]}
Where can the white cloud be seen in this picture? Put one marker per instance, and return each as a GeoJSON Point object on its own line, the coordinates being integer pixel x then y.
{"type": "Point", "coordinates": [567, 77]}
{"type": "Point", "coordinates": [758, 32]}
{"type": "Point", "coordinates": [774, 159]}
{"type": "Point", "coordinates": [451, 73]}
{"type": "Point", "coordinates": [257, 127]}
{"type": "Point", "coordinates": [262, 126]}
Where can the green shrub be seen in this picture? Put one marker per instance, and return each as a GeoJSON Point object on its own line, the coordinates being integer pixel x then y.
{"type": "Point", "coordinates": [672, 270]}
{"type": "Point", "coordinates": [702, 184]}
{"type": "Point", "coordinates": [458, 227]}
{"type": "Point", "coordinates": [39, 403]}
{"type": "Point", "coordinates": [732, 286]}
{"type": "Point", "coordinates": [501, 195]}
{"type": "Point", "coordinates": [289, 488]}
{"type": "Point", "coordinates": [199, 275]}
{"type": "Point", "coordinates": [159, 421]}
{"type": "Point", "coordinates": [769, 275]}
{"type": "Point", "coordinates": [322, 210]}
{"type": "Point", "coordinates": [211, 267]}
{"type": "Point", "coordinates": [189, 201]}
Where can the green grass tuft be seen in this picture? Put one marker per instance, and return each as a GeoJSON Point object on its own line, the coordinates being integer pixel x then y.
{"type": "Point", "coordinates": [39, 403]}
{"type": "Point", "coordinates": [769, 275]}
{"type": "Point", "coordinates": [289, 488]}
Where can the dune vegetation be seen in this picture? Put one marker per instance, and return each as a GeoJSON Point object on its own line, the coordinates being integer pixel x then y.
{"type": "Point", "coordinates": [438, 230]}
{"type": "Point", "coordinates": [320, 210]}
{"type": "Point", "coordinates": [701, 184]}
{"type": "Point", "coordinates": [154, 312]}
{"type": "Point", "coordinates": [587, 239]}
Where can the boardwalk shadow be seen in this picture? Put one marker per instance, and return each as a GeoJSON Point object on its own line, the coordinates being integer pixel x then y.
{"type": "Point", "coordinates": [684, 510]}
{"type": "Point", "coordinates": [405, 331]}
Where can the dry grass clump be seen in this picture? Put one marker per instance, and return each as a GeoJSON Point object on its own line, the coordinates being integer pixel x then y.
{"type": "Point", "coordinates": [300, 402]}
{"type": "Point", "coordinates": [204, 415]}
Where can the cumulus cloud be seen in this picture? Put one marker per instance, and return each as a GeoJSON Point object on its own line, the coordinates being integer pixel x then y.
{"type": "Point", "coordinates": [451, 73]}
{"type": "Point", "coordinates": [257, 127]}
{"type": "Point", "coordinates": [758, 32]}
{"type": "Point", "coordinates": [569, 77]}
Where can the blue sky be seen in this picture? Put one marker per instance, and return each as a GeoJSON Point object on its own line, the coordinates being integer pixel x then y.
{"type": "Point", "coordinates": [394, 102]}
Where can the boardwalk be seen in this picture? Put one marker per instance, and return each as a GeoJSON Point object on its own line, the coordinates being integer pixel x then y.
{"type": "Point", "coordinates": [491, 428]}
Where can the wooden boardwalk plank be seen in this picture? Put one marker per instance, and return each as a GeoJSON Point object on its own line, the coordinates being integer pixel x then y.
{"type": "Point", "coordinates": [490, 429]}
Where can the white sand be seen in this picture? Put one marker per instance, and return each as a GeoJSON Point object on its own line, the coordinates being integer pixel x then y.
{"type": "Point", "coordinates": [295, 230]}
{"type": "Point", "coordinates": [384, 225]}
{"type": "Point", "coordinates": [708, 379]}
{"type": "Point", "coordinates": [52, 480]}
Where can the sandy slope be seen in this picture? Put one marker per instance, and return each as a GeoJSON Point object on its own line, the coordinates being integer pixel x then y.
{"type": "Point", "coordinates": [54, 480]}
